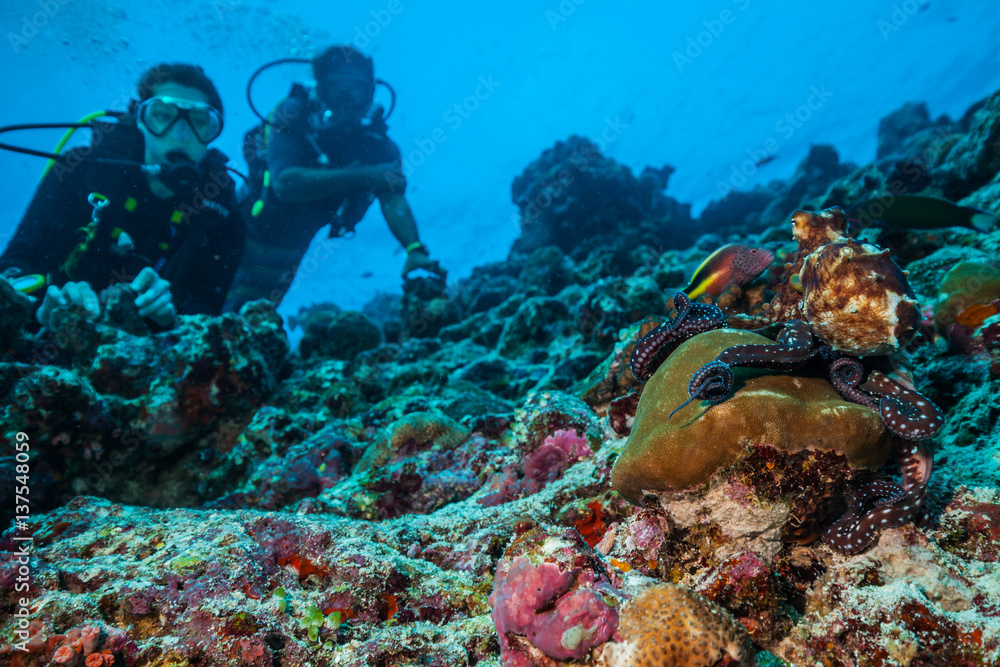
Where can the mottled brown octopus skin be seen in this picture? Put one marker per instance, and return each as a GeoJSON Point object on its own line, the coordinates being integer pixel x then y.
{"type": "Point", "coordinates": [854, 296]}
{"type": "Point", "coordinates": [858, 300]}
{"type": "Point", "coordinates": [811, 231]}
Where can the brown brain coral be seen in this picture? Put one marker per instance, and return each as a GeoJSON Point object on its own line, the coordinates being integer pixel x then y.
{"type": "Point", "coordinates": [789, 412]}
{"type": "Point", "coordinates": [670, 625]}
{"type": "Point", "coordinates": [415, 432]}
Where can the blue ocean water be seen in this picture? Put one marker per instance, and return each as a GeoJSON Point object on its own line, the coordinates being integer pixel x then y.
{"type": "Point", "coordinates": [201, 495]}
{"type": "Point", "coordinates": [482, 90]}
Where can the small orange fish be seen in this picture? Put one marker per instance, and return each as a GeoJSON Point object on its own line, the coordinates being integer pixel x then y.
{"type": "Point", "coordinates": [733, 264]}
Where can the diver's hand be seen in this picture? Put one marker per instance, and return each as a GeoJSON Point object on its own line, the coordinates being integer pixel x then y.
{"type": "Point", "coordinates": [71, 294]}
{"type": "Point", "coordinates": [154, 300]}
{"type": "Point", "coordinates": [418, 259]}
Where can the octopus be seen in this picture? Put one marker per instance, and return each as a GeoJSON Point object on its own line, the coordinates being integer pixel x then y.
{"type": "Point", "coordinates": [842, 301]}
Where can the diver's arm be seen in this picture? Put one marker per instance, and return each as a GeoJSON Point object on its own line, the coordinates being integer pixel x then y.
{"type": "Point", "coordinates": [399, 217]}
{"type": "Point", "coordinates": [290, 157]}
{"type": "Point", "coordinates": [304, 184]}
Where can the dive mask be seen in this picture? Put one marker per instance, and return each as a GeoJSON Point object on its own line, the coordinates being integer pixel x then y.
{"type": "Point", "coordinates": [345, 92]}
{"type": "Point", "coordinates": [158, 115]}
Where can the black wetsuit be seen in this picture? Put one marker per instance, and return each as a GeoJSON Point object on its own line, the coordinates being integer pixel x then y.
{"type": "Point", "coordinates": [279, 232]}
{"type": "Point", "coordinates": [195, 243]}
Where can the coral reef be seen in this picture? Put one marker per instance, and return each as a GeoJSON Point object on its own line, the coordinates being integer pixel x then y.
{"type": "Point", "coordinates": [473, 473]}
{"type": "Point", "coordinates": [670, 625]}
{"type": "Point", "coordinates": [576, 198]}
{"type": "Point", "coordinates": [134, 416]}
{"type": "Point", "coordinates": [666, 453]}
{"type": "Point", "coordinates": [549, 600]}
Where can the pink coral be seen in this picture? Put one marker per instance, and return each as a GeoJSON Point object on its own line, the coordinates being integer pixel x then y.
{"type": "Point", "coordinates": [102, 659]}
{"type": "Point", "coordinates": [544, 464]}
{"type": "Point", "coordinates": [538, 603]}
{"type": "Point", "coordinates": [559, 450]}
{"type": "Point", "coordinates": [646, 533]}
{"type": "Point", "coordinates": [89, 636]}
{"type": "Point", "coordinates": [64, 655]}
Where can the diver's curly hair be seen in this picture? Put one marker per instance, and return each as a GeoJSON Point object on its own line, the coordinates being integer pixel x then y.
{"type": "Point", "coordinates": [183, 74]}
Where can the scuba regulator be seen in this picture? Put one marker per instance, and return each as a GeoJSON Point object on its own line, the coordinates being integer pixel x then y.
{"type": "Point", "coordinates": [180, 174]}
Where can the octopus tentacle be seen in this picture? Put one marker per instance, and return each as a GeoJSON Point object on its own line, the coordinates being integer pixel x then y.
{"type": "Point", "coordinates": [793, 347]}
{"type": "Point", "coordinates": [915, 462]}
{"type": "Point", "coordinates": [863, 521]}
{"type": "Point", "coordinates": [711, 382]}
{"type": "Point", "coordinates": [846, 374]}
{"type": "Point", "coordinates": [908, 414]}
{"type": "Point", "coordinates": [911, 417]}
{"type": "Point", "coordinates": [691, 319]}
{"type": "Point", "coordinates": [882, 505]}
{"type": "Point", "coordinates": [714, 380]}
{"type": "Point", "coordinates": [651, 350]}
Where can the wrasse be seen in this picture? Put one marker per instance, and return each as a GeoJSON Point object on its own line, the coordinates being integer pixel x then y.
{"type": "Point", "coordinates": [733, 264]}
{"type": "Point", "coordinates": [920, 212]}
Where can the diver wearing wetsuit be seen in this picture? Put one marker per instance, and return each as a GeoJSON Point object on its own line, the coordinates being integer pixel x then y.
{"type": "Point", "coordinates": [327, 161]}
{"type": "Point", "coordinates": [176, 240]}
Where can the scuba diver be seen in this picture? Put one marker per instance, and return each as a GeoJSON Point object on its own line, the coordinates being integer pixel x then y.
{"type": "Point", "coordinates": [320, 157]}
{"type": "Point", "coordinates": [148, 203]}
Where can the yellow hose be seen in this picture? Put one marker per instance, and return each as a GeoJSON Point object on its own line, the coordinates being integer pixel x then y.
{"type": "Point", "coordinates": [65, 138]}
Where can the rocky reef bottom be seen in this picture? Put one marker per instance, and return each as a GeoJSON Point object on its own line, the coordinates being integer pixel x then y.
{"type": "Point", "coordinates": [429, 482]}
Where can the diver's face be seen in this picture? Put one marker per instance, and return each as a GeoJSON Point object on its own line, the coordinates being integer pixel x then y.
{"type": "Point", "coordinates": [345, 96]}
{"type": "Point", "coordinates": [180, 136]}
